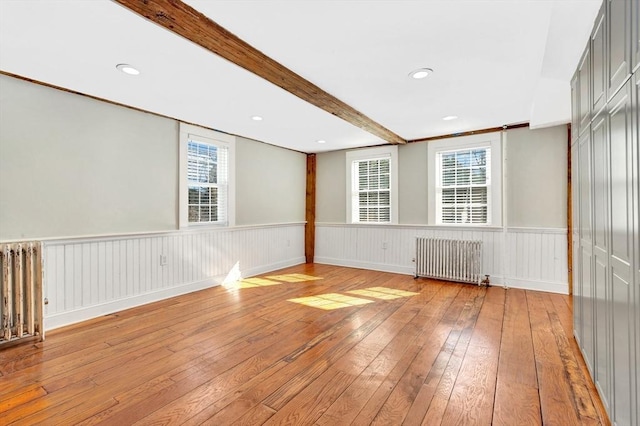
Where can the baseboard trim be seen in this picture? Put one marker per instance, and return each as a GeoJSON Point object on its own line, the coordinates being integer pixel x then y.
{"type": "Point", "coordinates": [538, 285]}
{"type": "Point", "coordinates": [382, 267]}
{"type": "Point", "coordinates": [83, 314]}
{"type": "Point", "coordinates": [525, 284]}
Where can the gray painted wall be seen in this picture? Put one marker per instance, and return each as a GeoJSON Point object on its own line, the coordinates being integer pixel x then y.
{"type": "Point", "coordinates": [412, 188]}
{"type": "Point", "coordinates": [73, 166]}
{"type": "Point", "coordinates": [70, 165]}
{"type": "Point", "coordinates": [537, 177]}
{"type": "Point", "coordinates": [536, 181]}
{"type": "Point", "coordinates": [270, 184]}
{"type": "Point", "coordinates": [331, 187]}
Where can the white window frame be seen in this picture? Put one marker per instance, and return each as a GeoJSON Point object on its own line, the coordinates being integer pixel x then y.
{"type": "Point", "coordinates": [200, 134]}
{"type": "Point", "coordinates": [494, 203]}
{"type": "Point", "coordinates": [390, 152]}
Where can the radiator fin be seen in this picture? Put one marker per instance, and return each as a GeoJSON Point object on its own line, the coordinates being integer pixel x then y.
{"type": "Point", "coordinates": [21, 291]}
{"type": "Point", "coordinates": [451, 260]}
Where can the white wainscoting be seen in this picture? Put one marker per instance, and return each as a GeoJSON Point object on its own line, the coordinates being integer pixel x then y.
{"type": "Point", "coordinates": [89, 277]}
{"type": "Point", "coordinates": [535, 258]}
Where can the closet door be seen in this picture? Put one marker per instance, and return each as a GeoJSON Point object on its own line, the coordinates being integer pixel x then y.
{"type": "Point", "coordinates": [575, 212]}
{"type": "Point", "coordinates": [586, 257]}
{"type": "Point", "coordinates": [601, 282]}
{"type": "Point", "coordinates": [636, 231]}
{"type": "Point", "coordinates": [621, 253]}
{"type": "Point", "coordinates": [618, 47]}
{"type": "Point", "coordinates": [575, 246]}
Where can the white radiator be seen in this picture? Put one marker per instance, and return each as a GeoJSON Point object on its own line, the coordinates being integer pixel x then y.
{"type": "Point", "coordinates": [451, 260]}
{"type": "Point", "coordinates": [21, 291]}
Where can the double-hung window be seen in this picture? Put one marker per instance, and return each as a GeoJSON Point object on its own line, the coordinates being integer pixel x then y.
{"type": "Point", "coordinates": [372, 185]}
{"type": "Point", "coordinates": [465, 181]}
{"type": "Point", "coordinates": [464, 186]}
{"type": "Point", "coordinates": [207, 172]}
{"type": "Point", "coordinates": [206, 195]}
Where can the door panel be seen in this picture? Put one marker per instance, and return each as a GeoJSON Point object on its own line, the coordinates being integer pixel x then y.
{"type": "Point", "coordinates": [585, 190]}
{"type": "Point", "coordinates": [620, 141]}
{"type": "Point", "coordinates": [588, 309]}
{"type": "Point", "coordinates": [635, 35]}
{"type": "Point", "coordinates": [599, 141]}
{"type": "Point", "coordinates": [602, 323]}
{"type": "Point", "coordinates": [622, 347]}
{"type": "Point", "coordinates": [575, 106]}
{"type": "Point", "coordinates": [618, 38]}
{"type": "Point", "coordinates": [584, 87]}
{"type": "Point", "coordinates": [598, 73]}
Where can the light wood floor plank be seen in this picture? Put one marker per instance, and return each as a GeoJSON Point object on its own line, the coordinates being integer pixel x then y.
{"type": "Point", "coordinates": [367, 348]}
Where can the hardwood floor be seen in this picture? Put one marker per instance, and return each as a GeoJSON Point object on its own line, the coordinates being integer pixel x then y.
{"type": "Point", "coordinates": [365, 348]}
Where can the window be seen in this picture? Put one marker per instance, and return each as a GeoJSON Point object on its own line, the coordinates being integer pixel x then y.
{"type": "Point", "coordinates": [463, 186]}
{"type": "Point", "coordinates": [372, 186]}
{"type": "Point", "coordinates": [465, 181]}
{"type": "Point", "coordinates": [207, 180]}
{"type": "Point", "coordinates": [206, 195]}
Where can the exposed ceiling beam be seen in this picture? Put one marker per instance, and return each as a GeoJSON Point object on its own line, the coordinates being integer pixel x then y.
{"type": "Point", "coordinates": [187, 22]}
{"type": "Point", "coordinates": [471, 132]}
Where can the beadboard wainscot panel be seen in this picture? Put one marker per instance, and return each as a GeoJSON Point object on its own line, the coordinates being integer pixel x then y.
{"type": "Point", "coordinates": [536, 258]}
{"type": "Point", "coordinates": [88, 277]}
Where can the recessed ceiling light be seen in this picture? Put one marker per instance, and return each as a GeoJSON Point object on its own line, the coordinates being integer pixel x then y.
{"type": "Point", "coordinates": [420, 73]}
{"type": "Point", "coordinates": [321, 141]}
{"type": "Point", "coordinates": [256, 118]}
{"type": "Point", "coordinates": [127, 69]}
{"type": "Point", "coordinates": [450, 117]}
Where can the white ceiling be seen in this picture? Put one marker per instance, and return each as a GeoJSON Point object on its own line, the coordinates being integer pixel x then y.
{"type": "Point", "coordinates": [496, 62]}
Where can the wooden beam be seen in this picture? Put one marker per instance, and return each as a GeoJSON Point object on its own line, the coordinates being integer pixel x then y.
{"type": "Point", "coordinates": [187, 22]}
{"type": "Point", "coordinates": [471, 132]}
{"type": "Point", "coordinates": [310, 210]}
{"type": "Point", "coordinates": [569, 213]}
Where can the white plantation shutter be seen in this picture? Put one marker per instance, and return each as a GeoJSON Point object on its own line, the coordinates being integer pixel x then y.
{"type": "Point", "coordinates": [463, 188]}
{"type": "Point", "coordinates": [371, 191]}
{"type": "Point", "coordinates": [208, 182]}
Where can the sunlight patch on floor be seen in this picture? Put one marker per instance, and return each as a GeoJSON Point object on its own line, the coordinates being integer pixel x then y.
{"type": "Point", "coordinates": [294, 278]}
{"type": "Point", "coordinates": [255, 282]}
{"type": "Point", "coordinates": [330, 301]}
{"type": "Point", "coordinates": [270, 280]}
{"type": "Point", "coordinates": [383, 293]}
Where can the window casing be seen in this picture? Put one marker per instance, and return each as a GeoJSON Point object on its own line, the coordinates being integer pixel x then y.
{"type": "Point", "coordinates": [206, 177]}
{"type": "Point", "coordinates": [465, 181]}
{"type": "Point", "coordinates": [372, 185]}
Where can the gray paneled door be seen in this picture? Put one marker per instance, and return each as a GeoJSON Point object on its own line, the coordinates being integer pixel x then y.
{"type": "Point", "coordinates": [586, 247]}
{"type": "Point", "coordinates": [636, 229]}
{"type": "Point", "coordinates": [621, 252]}
{"type": "Point", "coordinates": [601, 282]}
